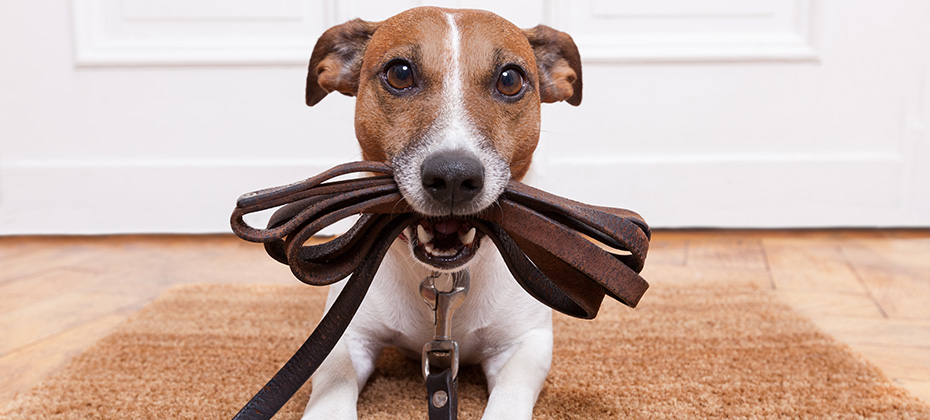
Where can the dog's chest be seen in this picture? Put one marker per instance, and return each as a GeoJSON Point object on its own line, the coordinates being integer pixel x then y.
{"type": "Point", "coordinates": [494, 315]}
{"type": "Point", "coordinates": [407, 323]}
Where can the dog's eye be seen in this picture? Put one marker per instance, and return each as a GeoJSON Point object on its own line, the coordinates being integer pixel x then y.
{"type": "Point", "coordinates": [399, 75]}
{"type": "Point", "coordinates": [510, 82]}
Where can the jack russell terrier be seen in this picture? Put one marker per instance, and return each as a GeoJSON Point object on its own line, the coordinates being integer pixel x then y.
{"type": "Point", "coordinates": [451, 99]}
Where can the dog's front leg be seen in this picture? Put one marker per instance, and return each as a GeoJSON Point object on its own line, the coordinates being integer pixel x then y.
{"type": "Point", "coordinates": [516, 376]}
{"type": "Point", "coordinates": [339, 379]}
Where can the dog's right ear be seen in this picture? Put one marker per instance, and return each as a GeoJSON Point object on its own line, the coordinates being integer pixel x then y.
{"type": "Point", "coordinates": [337, 60]}
{"type": "Point", "coordinates": [559, 64]}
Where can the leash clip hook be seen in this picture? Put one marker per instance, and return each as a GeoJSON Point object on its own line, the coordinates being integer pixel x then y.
{"type": "Point", "coordinates": [443, 352]}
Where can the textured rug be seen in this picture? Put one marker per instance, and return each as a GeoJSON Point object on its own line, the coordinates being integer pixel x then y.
{"type": "Point", "coordinates": [686, 353]}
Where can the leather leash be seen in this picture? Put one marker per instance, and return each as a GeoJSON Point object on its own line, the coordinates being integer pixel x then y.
{"type": "Point", "coordinates": [543, 238]}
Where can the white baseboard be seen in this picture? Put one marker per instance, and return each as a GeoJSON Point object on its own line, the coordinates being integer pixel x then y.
{"type": "Point", "coordinates": [779, 192]}
{"type": "Point", "coordinates": [124, 198]}
{"type": "Point", "coordinates": [198, 197]}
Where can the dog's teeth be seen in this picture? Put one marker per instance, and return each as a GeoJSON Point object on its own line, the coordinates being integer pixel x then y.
{"type": "Point", "coordinates": [424, 236]}
{"type": "Point", "coordinates": [432, 251]}
{"type": "Point", "coordinates": [468, 237]}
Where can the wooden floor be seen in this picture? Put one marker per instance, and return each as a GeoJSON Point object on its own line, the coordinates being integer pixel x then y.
{"type": "Point", "coordinates": [869, 289]}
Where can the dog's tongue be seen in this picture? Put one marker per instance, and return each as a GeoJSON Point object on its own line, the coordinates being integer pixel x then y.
{"type": "Point", "coordinates": [447, 227]}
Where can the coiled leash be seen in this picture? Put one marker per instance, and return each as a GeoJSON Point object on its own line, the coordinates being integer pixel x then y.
{"type": "Point", "coordinates": [545, 240]}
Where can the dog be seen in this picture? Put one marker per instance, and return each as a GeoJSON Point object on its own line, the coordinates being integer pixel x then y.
{"type": "Point", "coordinates": [451, 98]}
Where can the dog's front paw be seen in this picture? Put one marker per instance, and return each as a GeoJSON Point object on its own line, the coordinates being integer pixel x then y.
{"type": "Point", "coordinates": [324, 411]}
{"type": "Point", "coordinates": [516, 411]}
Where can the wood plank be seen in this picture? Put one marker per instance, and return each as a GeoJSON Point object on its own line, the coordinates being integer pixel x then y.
{"type": "Point", "coordinates": [908, 252]}
{"type": "Point", "coordinates": [898, 362]}
{"type": "Point", "coordinates": [877, 331]}
{"type": "Point", "coordinates": [820, 304]}
{"type": "Point", "coordinates": [42, 260]}
{"type": "Point", "coordinates": [810, 265]}
{"type": "Point", "coordinates": [25, 367]}
{"type": "Point", "coordinates": [687, 275]}
{"type": "Point", "coordinates": [32, 289]}
{"type": "Point", "coordinates": [737, 253]}
{"type": "Point", "coordinates": [233, 264]}
{"type": "Point", "coordinates": [31, 323]}
{"type": "Point", "coordinates": [663, 252]}
{"type": "Point", "coordinates": [11, 248]}
{"type": "Point", "coordinates": [919, 389]}
{"type": "Point", "coordinates": [897, 273]}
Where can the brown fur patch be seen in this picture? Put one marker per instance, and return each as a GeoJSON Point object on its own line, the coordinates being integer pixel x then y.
{"type": "Point", "coordinates": [352, 57]}
{"type": "Point", "coordinates": [386, 123]}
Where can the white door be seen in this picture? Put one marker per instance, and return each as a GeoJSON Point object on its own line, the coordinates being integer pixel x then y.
{"type": "Point", "coordinates": [152, 116]}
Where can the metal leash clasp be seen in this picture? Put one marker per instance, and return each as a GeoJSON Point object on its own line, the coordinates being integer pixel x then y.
{"type": "Point", "coordinates": [443, 352]}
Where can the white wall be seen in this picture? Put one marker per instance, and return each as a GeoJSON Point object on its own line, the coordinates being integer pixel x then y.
{"type": "Point", "coordinates": [143, 116]}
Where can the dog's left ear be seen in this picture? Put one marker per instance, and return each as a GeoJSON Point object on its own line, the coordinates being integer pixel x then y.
{"type": "Point", "coordinates": [337, 59]}
{"type": "Point", "coordinates": [559, 64]}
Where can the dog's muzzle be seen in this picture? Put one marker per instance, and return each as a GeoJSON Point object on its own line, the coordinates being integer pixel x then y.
{"type": "Point", "coordinates": [453, 181]}
{"type": "Point", "coordinates": [456, 183]}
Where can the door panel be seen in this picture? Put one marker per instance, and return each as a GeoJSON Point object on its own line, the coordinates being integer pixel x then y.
{"type": "Point", "coordinates": [131, 116]}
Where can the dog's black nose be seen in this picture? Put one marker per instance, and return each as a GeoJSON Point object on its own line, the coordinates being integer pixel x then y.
{"type": "Point", "coordinates": [454, 177]}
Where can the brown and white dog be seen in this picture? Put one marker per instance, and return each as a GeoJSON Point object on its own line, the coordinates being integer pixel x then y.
{"type": "Point", "coordinates": [451, 99]}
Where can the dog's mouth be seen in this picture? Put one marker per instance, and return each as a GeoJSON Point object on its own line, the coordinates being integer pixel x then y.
{"type": "Point", "coordinates": [445, 244]}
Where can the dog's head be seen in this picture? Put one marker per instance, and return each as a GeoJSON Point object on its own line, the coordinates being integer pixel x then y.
{"type": "Point", "coordinates": [451, 99]}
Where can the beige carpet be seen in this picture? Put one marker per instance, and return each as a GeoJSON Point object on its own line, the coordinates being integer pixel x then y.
{"type": "Point", "coordinates": [200, 352]}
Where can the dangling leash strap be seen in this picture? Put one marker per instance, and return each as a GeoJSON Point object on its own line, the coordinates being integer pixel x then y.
{"type": "Point", "coordinates": [544, 239]}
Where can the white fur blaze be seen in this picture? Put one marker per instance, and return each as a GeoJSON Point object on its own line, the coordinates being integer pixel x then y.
{"type": "Point", "coordinates": [455, 130]}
